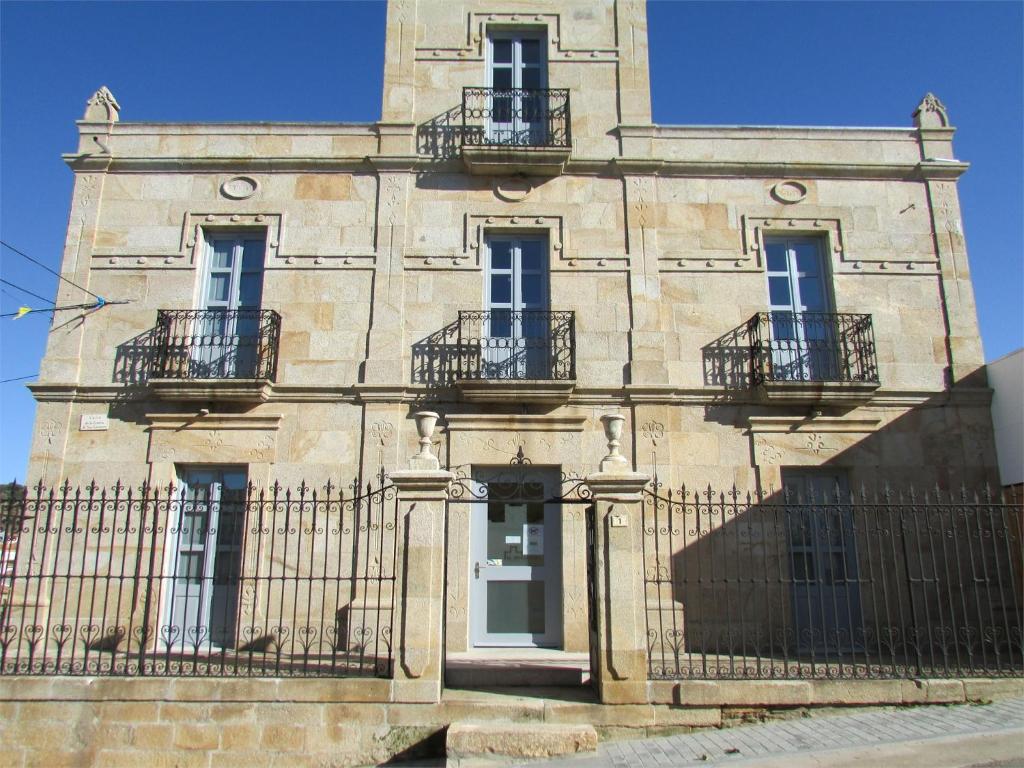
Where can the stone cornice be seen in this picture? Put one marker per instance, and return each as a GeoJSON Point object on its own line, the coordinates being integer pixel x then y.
{"type": "Point", "coordinates": [762, 132]}
{"type": "Point", "coordinates": [928, 169]}
{"type": "Point", "coordinates": [515, 421]}
{"type": "Point", "coordinates": [244, 128]}
{"type": "Point", "coordinates": [582, 397]}
{"type": "Point", "coordinates": [225, 164]}
{"type": "Point", "coordinates": [790, 424]}
{"type": "Point", "coordinates": [179, 421]}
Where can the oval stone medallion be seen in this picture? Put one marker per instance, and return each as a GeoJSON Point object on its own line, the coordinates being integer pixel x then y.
{"type": "Point", "coordinates": [789, 191]}
{"type": "Point", "coordinates": [239, 187]}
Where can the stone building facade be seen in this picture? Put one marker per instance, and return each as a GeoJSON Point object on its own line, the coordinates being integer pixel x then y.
{"type": "Point", "coordinates": [516, 246]}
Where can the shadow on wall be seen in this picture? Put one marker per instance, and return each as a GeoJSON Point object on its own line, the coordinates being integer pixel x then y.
{"type": "Point", "coordinates": [134, 359]}
{"type": "Point", "coordinates": [827, 578]}
{"type": "Point", "coordinates": [728, 359]}
{"type": "Point", "coordinates": [435, 358]}
{"type": "Point", "coordinates": [441, 137]}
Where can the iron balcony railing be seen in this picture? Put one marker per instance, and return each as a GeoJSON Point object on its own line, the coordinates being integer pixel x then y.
{"type": "Point", "coordinates": [812, 347]}
{"type": "Point", "coordinates": [217, 344]}
{"type": "Point", "coordinates": [516, 117]}
{"type": "Point", "coordinates": [536, 345]}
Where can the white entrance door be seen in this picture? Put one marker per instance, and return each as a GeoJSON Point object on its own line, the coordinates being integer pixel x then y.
{"type": "Point", "coordinates": [823, 561]}
{"type": "Point", "coordinates": [804, 343]}
{"type": "Point", "coordinates": [516, 563]}
{"type": "Point", "coordinates": [517, 75]}
{"type": "Point", "coordinates": [207, 531]}
{"type": "Point", "coordinates": [516, 341]}
{"type": "Point", "coordinates": [227, 335]}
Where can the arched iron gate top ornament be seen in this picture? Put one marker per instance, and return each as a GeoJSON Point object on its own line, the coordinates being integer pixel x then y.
{"type": "Point", "coordinates": [516, 483]}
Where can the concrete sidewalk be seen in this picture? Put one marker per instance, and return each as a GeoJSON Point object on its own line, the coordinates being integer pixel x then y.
{"type": "Point", "coordinates": [961, 736]}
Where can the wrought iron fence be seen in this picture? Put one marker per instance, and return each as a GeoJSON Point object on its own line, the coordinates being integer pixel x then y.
{"type": "Point", "coordinates": [520, 345]}
{"type": "Point", "coordinates": [850, 586]}
{"type": "Point", "coordinates": [812, 346]}
{"type": "Point", "coordinates": [175, 582]}
{"type": "Point", "coordinates": [516, 117]}
{"type": "Point", "coordinates": [217, 344]}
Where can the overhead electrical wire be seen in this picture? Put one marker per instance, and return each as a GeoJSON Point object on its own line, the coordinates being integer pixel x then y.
{"type": "Point", "coordinates": [18, 378]}
{"type": "Point", "coordinates": [98, 304]}
{"type": "Point", "coordinates": [25, 290]}
{"type": "Point", "coordinates": [50, 270]}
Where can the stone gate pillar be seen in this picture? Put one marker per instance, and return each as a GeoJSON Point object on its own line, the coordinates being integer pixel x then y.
{"type": "Point", "coordinates": [422, 493]}
{"type": "Point", "coordinates": [621, 653]}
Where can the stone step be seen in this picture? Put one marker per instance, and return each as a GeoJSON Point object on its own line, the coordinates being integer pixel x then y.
{"type": "Point", "coordinates": [468, 743]}
{"type": "Point", "coordinates": [571, 706]}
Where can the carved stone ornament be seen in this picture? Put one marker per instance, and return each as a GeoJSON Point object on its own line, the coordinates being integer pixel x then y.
{"type": "Point", "coordinates": [614, 461]}
{"type": "Point", "coordinates": [239, 188]}
{"type": "Point", "coordinates": [512, 189]}
{"type": "Point", "coordinates": [931, 113]}
{"type": "Point", "coordinates": [102, 107]}
{"type": "Point", "coordinates": [653, 431]}
{"type": "Point", "coordinates": [789, 191]}
{"type": "Point", "coordinates": [425, 423]}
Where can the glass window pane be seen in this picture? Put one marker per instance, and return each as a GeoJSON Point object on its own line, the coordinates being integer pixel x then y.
{"type": "Point", "coordinates": [193, 527]}
{"type": "Point", "coordinates": [515, 534]}
{"type": "Point", "coordinates": [215, 323]}
{"type": "Point", "coordinates": [533, 292]}
{"type": "Point", "coordinates": [501, 112]}
{"type": "Point", "coordinates": [502, 79]}
{"type": "Point", "coordinates": [531, 78]}
{"type": "Point", "coordinates": [234, 482]}
{"type": "Point", "coordinates": [190, 567]}
{"type": "Point", "coordinates": [533, 258]}
{"type": "Point", "coordinates": [501, 254]}
{"type": "Point", "coordinates": [811, 294]}
{"type": "Point", "coordinates": [220, 287]}
{"type": "Point", "coordinates": [252, 255]}
{"type": "Point", "coordinates": [515, 607]}
{"type": "Point", "coordinates": [778, 291]}
{"type": "Point", "coordinates": [531, 51]}
{"type": "Point", "coordinates": [227, 567]}
{"type": "Point", "coordinates": [501, 289]}
{"type": "Point", "coordinates": [502, 51]}
{"type": "Point", "coordinates": [807, 260]}
{"type": "Point", "coordinates": [501, 324]}
{"type": "Point", "coordinates": [784, 326]}
{"type": "Point", "coordinates": [222, 254]}
{"type": "Point", "coordinates": [249, 290]}
{"type": "Point", "coordinates": [776, 256]}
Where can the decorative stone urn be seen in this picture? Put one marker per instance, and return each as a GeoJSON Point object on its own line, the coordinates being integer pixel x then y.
{"type": "Point", "coordinates": [425, 423]}
{"type": "Point", "coordinates": [614, 461]}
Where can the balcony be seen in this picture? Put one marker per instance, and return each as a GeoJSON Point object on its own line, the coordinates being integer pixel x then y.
{"type": "Point", "coordinates": [813, 357]}
{"type": "Point", "coordinates": [516, 356]}
{"type": "Point", "coordinates": [515, 131]}
{"type": "Point", "coordinates": [211, 354]}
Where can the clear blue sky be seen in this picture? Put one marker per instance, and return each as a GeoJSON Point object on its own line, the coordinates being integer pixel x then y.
{"type": "Point", "coordinates": [712, 63]}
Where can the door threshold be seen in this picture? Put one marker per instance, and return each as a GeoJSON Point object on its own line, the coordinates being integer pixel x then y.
{"type": "Point", "coordinates": [518, 653]}
{"type": "Point", "coordinates": [510, 667]}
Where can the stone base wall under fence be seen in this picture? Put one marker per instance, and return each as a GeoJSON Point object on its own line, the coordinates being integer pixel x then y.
{"type": "Point", "coordinates": [91, 721]}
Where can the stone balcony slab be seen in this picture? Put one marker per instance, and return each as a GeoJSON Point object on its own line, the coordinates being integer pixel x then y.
{"type": "Point", "coordinates": [515, 391]}
{"type": "Point", "coordinates": [216, 390]}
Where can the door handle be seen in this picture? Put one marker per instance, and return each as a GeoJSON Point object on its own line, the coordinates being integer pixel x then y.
{"type": "Point", "coordinates": [476, 569]}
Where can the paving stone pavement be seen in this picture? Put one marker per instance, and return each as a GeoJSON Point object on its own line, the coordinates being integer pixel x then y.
{"type": "Point", "coordinates": [867, 729]}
